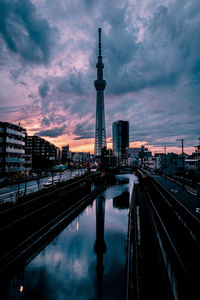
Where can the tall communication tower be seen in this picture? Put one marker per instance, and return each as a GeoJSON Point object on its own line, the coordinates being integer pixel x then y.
{"type": "Point", "coordinates": [100, 84]}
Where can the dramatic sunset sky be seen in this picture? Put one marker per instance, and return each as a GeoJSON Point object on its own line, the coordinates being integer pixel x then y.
{"type": "Point", "coordinates": [151, 53]}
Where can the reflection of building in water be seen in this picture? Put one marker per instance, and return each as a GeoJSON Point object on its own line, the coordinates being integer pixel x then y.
{"type": "Point", "coordinates": [121, 180]}
{"type": "Point", "coordinates": [18, 281]}
{"type": "Point", "coordinates": [100, 246]}
{"type": "Point", "coordinates": [121, 201]}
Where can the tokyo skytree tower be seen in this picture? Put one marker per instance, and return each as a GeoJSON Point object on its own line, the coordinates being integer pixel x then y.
{"type": "Point", "coordinates": [100, 84]}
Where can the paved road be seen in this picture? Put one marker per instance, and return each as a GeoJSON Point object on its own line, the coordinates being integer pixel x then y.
{"type": "Point", "coordinates": [9, 193]}
{"type": "Point", "coordinates": [190, 201]}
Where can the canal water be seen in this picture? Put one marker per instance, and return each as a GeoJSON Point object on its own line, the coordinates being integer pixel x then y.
{"type": "Point", "coordinates": [87, 259]}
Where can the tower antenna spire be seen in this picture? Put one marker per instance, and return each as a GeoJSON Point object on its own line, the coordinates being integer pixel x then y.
{"type": "Point", "coordinates": [99, 41]}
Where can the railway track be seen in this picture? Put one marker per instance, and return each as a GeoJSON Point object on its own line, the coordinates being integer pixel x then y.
{"type": "Point", "coordinates": [10, 215]}
{"type": "Point", "coordinates": [22, 220]}
{"type": "Point", "coordinates": [23, 251]}
{"type": "Point", "coordinates": [178, 236]}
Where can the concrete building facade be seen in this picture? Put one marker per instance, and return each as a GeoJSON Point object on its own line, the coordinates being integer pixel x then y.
{"type": "Point", "coordinates": [41, 147]}
{"type": "Point", "coordinates": [12, 149]}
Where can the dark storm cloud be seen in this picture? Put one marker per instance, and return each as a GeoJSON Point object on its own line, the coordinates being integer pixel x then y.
{"type": "Point", "coordinates": [54, 132]}
{"type": "Point", "coordinates": [165, 63]}
{"type": "Point", "coordinates": [138, 66]}
{"type": "Point", "coordinates": [89, 136]}
{"type": "Point", "coordinates": [156, 120]}
{"type": "Point", "coordinates": [151, 57]}
{"type": "Point", "coordinates": [72, 83]}
{"type": "Point", "coordinates": [43, 89]}
{"type": "Point", "coordinates": [45, 121]}
{"type": "Point", "coordinates": [81, 106]}
{"type": "Point", "coordinates": [33, 109]}
{"type": "Point", "coordinates": [33, 95]}
{"type": "Point", "coordinates": [9, 109]}
{"type": "Point", "coordinates": [89, 3]}
{"type": "Point", "coordinates": [15, 73]}
{"type": "Point", "coordinates": [24, 33]}
{"type": "Point", "coordinates": [165, 53]}
{"type": "Point", "coordinates": [84, 130]}
{"type": "Point", "coordinates": [55, 118]}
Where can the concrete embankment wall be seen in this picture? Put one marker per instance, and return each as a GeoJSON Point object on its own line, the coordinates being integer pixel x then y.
{"type": "Point", "coordinates": [146, 277]}
{"type": "Point", "coordinates": [38, 223]}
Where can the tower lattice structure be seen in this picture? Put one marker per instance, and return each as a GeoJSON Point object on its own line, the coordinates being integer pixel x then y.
{"type": "Point", "coordinates": [100, 84]}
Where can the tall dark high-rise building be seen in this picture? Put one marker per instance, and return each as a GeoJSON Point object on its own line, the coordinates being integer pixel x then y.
{"type": "Point", "coordinates": [100, 84]}
{"type": "Point", "coordinates": [65, 153]}
{"type": "Point", "coordinates": [120, 137]}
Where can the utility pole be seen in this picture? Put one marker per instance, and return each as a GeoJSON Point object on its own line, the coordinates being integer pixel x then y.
{"type": "Point", "coordinates": [183, 164]}
{"type": "Point", "coordinates": [165, 148]}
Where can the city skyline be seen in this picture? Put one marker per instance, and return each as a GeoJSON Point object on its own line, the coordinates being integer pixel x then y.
{"type": "Point", "coordinates": [152, 59]}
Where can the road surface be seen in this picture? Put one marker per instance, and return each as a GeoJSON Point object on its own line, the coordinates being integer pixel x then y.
{"type": "Point", "coordinates": [9, 193]}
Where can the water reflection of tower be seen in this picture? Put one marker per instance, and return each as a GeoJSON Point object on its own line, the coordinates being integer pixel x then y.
{"type": "Point", "coordinates": [100, 246]}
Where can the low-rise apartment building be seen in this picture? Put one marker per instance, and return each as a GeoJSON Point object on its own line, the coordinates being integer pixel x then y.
{"type": "Point", "coordinates": [44, 154]}
{"type": "Point", "coordinates": [12, 149]}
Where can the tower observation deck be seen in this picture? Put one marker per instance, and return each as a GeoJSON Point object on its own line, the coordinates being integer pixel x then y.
{"type": "Point", "coordinates": [100, 84]}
